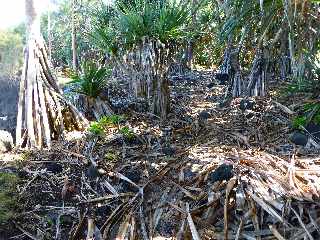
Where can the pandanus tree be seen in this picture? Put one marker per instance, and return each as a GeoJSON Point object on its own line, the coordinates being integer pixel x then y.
{"type": "Point", "coordinates": [90, 84]}
{"type": "Point", "coordinates": [144, 37]}
{"type": "Point", "coordinates": [278, 36]}
{"type": "Point", "coordinates": [43, 113]}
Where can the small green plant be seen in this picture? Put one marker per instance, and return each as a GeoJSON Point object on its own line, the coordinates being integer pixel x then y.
{"type": "Point", "coordinates": [8, 202]}
{"type": "Point", "coordinates": [299, 121]}
{"type": "Point", "coordinates": [96, 128]}
{"type": "Point", "coordinates": [92, 81]}
{"type": "Point", "coordinates": [311, 113]}
{"type": "Point", "coordinates": [127, 133]}
{"type": "Point", "coordinates": [110, 156]}
{"type": "Point", "coordinates": [99, 127]}
{"type": "Point", "coordinates": [49, 221]}
{"type": "Point", "coordinates": [298, 87]}
{"type": "Point", "coordinates": [316, 119]}
{"type": "Point", "coordinates": [111, 120]}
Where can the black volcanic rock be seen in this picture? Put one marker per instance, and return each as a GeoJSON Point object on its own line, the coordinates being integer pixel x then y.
{"type": "Point", "coordinates": [299, 138]}
{"type": "Point", "coordinates": [223, 78]}
{"type": "Point", "coordinates": [223, 172]}
{"type": "Point", "coordinates": [204, 115]}
{"type": "Point", "coordinates": [92, 172]}
{"type": "Point", "coordinates": [168, 150]}
{"type": "Point", "coordinates": [54, 167]}
{"type": "Point", "coordinates": [246, 104]}
{"type": "Point", "coordinates": [211, 85]}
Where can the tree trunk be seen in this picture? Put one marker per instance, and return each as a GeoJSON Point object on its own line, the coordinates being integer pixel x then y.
{"type": "Point", "coordinates": [49, 33]}
{"type": "Point", "coordinates": [257, 78]}
{"type": "Point", "coordinates": [43, 113]}
{"type": "Point", "coordinates": [94, 108]}
{"type": "Point", "coordinates": [74, 38]}
{"type": "Point", "coordinates": [148, 65]}
{"type": "Point", "coordinates": [191, 41]}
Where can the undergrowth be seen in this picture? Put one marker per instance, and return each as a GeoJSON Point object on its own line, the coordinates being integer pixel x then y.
{"type": "Point", "coordinates": [310, 114]}
{"type": "Point", "coordinates": [104, 124]}
{"type": "Point", "coordinates": [8, 201]}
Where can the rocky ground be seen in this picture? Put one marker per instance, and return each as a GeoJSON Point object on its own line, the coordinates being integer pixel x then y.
{"type": "Point", "coordinates": [211, 171]}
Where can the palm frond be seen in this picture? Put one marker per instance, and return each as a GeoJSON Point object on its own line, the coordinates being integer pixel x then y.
{"type": "Point", "coordinates": [91, 81]}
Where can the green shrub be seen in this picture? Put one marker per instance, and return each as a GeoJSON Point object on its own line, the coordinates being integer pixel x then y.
{"type": "Point", "coordinates": [127, 133]}
{"type": "Point", "coordinates": [299, 85]}
{"type": "Point", "coordinates": [11, 50]}
{"type": "Point", "coordinates": [131, 22]}
{"type": "Point", "coordinates": [299, 121]}
{"type": "Point", "coordinates": [99, 127]}
{"type": "Point", "coordinates": [111, 120]}
{"type": "Point", "coordinates": [91, 81]}
{"type": "Point", "coordinates": [110, 156]}
{"type": "Point", "coordinates": [311, 113]}
{"type": "Point", "coordinates": [96, 128]}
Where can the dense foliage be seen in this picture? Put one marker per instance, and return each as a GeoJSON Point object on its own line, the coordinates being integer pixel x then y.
{"type": "Point", "coordinates": [126, 25]}
{"type": "Point", "coordinates": [286, 31]}
{"type": "Point", "coordinates": [60, 34]}
{"type": "Point", "coordinates": [11, 49]}
{"type": "Point", "coordinates": [91, 81]}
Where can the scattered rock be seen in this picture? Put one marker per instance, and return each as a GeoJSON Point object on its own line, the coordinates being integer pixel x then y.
{"type": "Point", "coordinates": [104, 95]}
{"type": "Point", "coordinates": [204, 115]}
{"type": "Point", "coordinates": [246, 104]}
{"type": "Point", "coordinates": [250, 115]}
{"type": "Point", "coordinates": [134, 175]}
{"type": "Point", "coordinates": [285, 148]}
{"type": "Point", "coordinates": [299, 138]}
{"type": "Point", "coordinates": [168, 150]}
{"type": "Point", "coordinates": [223, 172]}
{"type": "Point", "coordinates": [211, 85]}
{"type": "Point", "coordinates": [92, 172]}
{"type": "Point", "coordinates": [223, 78]}
{"type": "Point", "coordinates": [103, 210]}
{"type": "Point", "coordinates": [140, 105]}
{"type": "Point", "coordinates": [189, 174]}
{"type": "Point", "coordinates": [54, 167]}
{"type": "Point", "coordinates": [165, 228]}
{"type": "Point", "coordinates": [223, 104]}
{"type": "Point", "coordinates": [6, 141]}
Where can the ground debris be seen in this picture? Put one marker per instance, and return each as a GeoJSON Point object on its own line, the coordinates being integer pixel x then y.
{"type": "Point", "coordinates": [165, 183]}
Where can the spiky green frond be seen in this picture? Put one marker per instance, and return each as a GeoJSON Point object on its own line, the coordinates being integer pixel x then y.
{"type": "Point", "coordinates": [91, 81]}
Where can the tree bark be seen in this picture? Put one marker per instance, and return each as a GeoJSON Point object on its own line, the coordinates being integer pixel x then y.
{"type": "Point", "coordinates": [43, 113]}
{"type": "Point", "coordinates": [147, 65]}
{"type": "Point", "coordinates": [257, 78]}
{"type": "Point", "coordinates": [191, 41]}
{"type": "Point", "coordinates": [49, 33]}
{"type": "Point", "coordinates": [74, 38]}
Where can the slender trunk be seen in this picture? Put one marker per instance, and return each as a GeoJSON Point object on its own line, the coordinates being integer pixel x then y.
{"type": "Point", "coordinates": [191, 41]}
{"type": "Point", "coordinates": [49, 33]}
{"type": "Point", "coordinates": [74, 37]}
{"type": "Point", "coordinates": [257, 78]}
